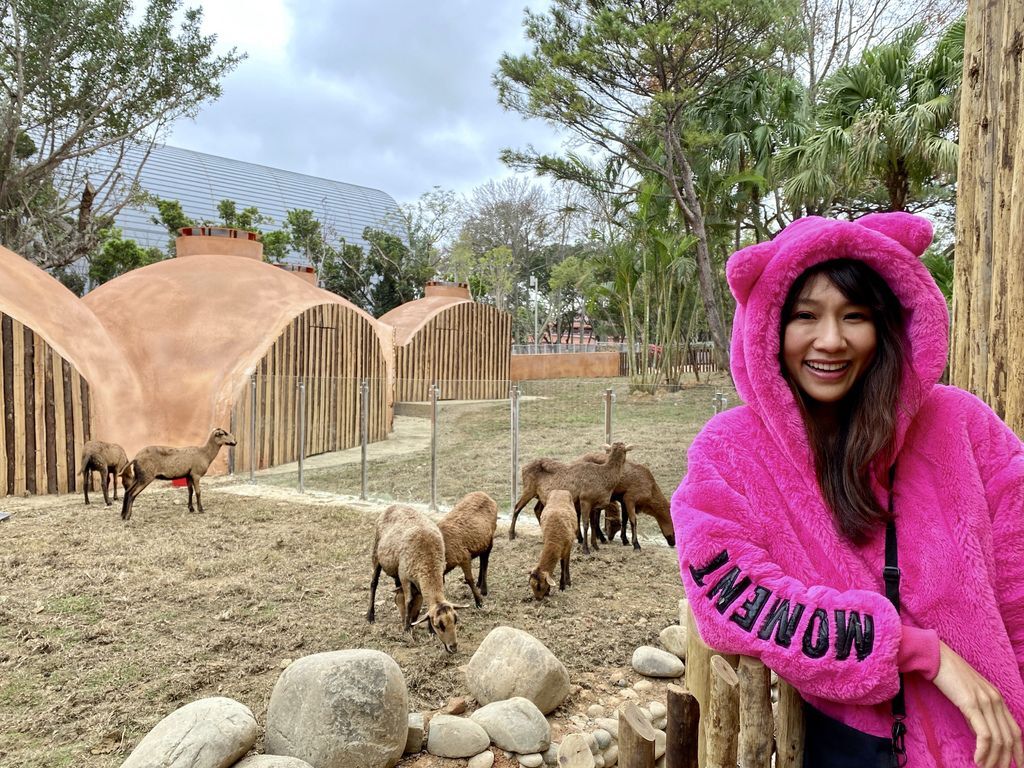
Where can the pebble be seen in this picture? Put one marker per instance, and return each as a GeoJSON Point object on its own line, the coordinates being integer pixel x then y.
{"type": "Point", "coordinates": [643, 685]}
{"type": "Point", "coordinates": [595, 710]}
{"type": "Point", "coordinates": [629, 693]}
{"type": "Point", "coordinates": [551, 756]}
{"type": "Point", "coordinates": [610, 724]}
{"type": "Point", "coordinates": [535, 760]}
{"type": "Point", "coordinates": [659, 744]}
{"type": "Point", "coordinates": [657, 709]}
{"type": "Point", "coordinates": [592, 743]}
{"type": "Point", "coordinates": [611, 756]}
{"type": "Point", "coordinates": [483, 760]}
{"type": "Point", "coordinates": [603, 738]}
{"type": "Point", "coordinates": [660, 724]}
{"type": "Point", "coordinates": [621, 682]}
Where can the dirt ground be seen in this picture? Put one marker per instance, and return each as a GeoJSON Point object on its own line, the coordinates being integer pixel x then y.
{"type": "Point", "coordinates": [106, 627]}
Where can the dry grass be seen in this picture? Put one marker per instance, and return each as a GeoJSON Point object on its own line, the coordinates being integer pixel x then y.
{"type": "Point", "coordinates": [105, 628]}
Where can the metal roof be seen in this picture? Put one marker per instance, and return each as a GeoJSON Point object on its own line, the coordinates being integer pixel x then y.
{"type": "Point", "coordinates": [200, 181]}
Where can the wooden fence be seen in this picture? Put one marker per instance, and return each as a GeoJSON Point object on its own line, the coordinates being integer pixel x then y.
{"type": "Point", "coordinates": [332, 349]}
{"type": "Point", "coordinates": [465, 348]}
{"type": "Point", "coordinates": [696, 358]}
{"type": "Point", "coordinates": [46, 407]}
{"type": "Point", "coordinates": [723, 718]}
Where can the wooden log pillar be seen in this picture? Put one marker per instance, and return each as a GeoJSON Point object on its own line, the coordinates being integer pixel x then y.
{"type": "Point", "coordinates": [757, 727]}
{"type": "Point", "coordinates": [698, 678]}
{"type": "Point", "coordinates": [721, 726]}
{"type": "Point", "coordinates": [789, 728]}
{"type": "Point", "coordinates": [682, 729]}
{"type": "Point", "coordinates": [636, 738]}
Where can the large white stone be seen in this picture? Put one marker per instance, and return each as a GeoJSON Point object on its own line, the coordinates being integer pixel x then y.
{"type": "Point", "coordinates": [510, 662]}
{"type": "Point", "coordinates": [272, 761]}
{"type": "Point", "coordinates": [654, 662]}
{"type": "Point", "coordinates": [452, 736]}
{"type": "Point", "coordinates": [342, 709]}
{"type": "Point", "coordinates": [208, 733]}
{"type": "Point", "coordinates": [673, 638]}
{"type": "Point", "coordinates": [515, 724]}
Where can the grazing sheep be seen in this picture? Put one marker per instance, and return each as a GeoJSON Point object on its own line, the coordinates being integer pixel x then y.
{"type": "Point", "coordinates": [108, 459]}
{"type": "Point", "coordinates": [558, 526]}
{"type": "Point", "coordinates": [160, 462]}
{"type": "Point", "coordinates": [638, 491]}
{"type": "Point", "coordinates": [408, 547]}
{"type": "Point", "coordinates": [468, 532]}
{"type": "Point", "coordinates": [590, 485]}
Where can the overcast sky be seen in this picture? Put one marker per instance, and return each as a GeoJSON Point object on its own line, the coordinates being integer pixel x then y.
{"type": "Point", "coordinates": [390, 94]}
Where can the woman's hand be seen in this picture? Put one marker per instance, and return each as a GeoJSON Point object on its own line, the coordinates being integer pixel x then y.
{"type": "Point", "coordinates": [999, 739]}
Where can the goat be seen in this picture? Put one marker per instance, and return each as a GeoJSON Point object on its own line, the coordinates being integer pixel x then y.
{"type": "Point", "coordinates": [638, 491]}
{"type": "Point", "coordinates": [468, 532]}
{"type": "Point", "coordinates": [108, 459]}
{"type": "Point", "coordinates": [408, 547]}
{"type": "Point", "coordinates": [558, 526]}
{"type": "Point", "coordinates": [160, 462]}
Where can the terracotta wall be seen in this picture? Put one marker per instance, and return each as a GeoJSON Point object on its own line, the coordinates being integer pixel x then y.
{"type": "Point", "coordinates": [588, 365]}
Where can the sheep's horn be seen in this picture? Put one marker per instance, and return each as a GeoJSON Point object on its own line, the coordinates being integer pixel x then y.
{"type": "Point", "coordinates": [630, 447]}
{"type": "Point", "coordinates": [606, 447]}
{"type": "Point", "coordinates": [420, 621]}
{"type": "Point", "coordinates": [461, 607]}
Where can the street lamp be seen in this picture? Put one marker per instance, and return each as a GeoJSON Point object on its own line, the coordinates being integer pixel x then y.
{"type": "Point", "coordinates": [536, 328]}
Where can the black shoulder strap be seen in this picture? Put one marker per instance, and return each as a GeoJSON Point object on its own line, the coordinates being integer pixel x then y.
{"type": "Point", "coordinates": [891, 575]}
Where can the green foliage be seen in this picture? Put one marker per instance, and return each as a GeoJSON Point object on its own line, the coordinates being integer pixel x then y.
{"type": "Point", "coordinates": [118, 255]}
{"type": "Point", "coordinates": [71, 280]}
{"type": "Point", "coordinates": [940, 263]}
{"type": "Point", "coordinates": [248, 218]}
{"type": "Point", "coordinates": [81, 77]}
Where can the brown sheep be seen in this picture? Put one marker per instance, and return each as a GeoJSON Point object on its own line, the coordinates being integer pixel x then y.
{"type": "Point", "coordinates": [590, 485]}
{"type": "Point", "coordinates": [160, 462]}
{"type": "Point", "coordinates": [108, 459]}
{"type": "Point", "coordinates": [408, 547]}
{"type": "Point", "coordinates": [558, 526]}
{"type": "Point", "coordinates": [638, 491]}
{"type": "Point", "coordinates": [468, 532]}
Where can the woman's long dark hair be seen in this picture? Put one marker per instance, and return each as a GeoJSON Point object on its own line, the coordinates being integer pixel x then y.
{"type": "Point", "coordinates": [844, 457]}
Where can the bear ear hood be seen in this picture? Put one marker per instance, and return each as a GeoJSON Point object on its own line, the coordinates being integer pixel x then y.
{"type": "Point", "coordinates": [760, 276]}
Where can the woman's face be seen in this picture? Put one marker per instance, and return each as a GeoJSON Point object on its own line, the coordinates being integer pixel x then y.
{"type": "Point", "coordinates": [829, 341]}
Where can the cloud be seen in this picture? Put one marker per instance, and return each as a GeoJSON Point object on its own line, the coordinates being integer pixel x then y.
{"type": "Point", "coordinates": [391, 95]}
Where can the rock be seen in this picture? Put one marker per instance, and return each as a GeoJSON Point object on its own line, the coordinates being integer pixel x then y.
{"type": "Point", "coordinates": [272, 761]}
{"type": "Point", "coordinates": [603, 738]}
{"type": "Point", "coordinates": [516, 724]}
{"type": "Point", "coordinates": [598, 760]}
{"type": "Point", "coordinates": [610, 724]}
{"type": "Point", "coordinates": [611, 756]}
{"type": "Point", "coordinates": [414, 738]}
{"type": "Point", "coordinates": [657, 710]}
{"type": "Point", "coordinates": [509, 663]}
{"type": "Point", "coordinates": [551, 755]}
{"type": "Point", "coordinates": [595, 710]}
{"type": "Point", "coordinates": [621, 682]}
{"type": "Point", "coordinates": [654, 662]}
{"type": "Point", "coordinates": [455, 706]}
{"type": "Point", "coordinates": [659, 744]}
{"type": "Point", "coordinates": [642, 686]}
{"type": "Point", "coordinates": [673, 638]}
{"type": "Point", "coordinates": [580, 721]}
{"type": "Point", "coordinates": [660, 724]}
{"type": "Point", "coordinates": [483, 760]}
{"type": "Point", "coordinates": [452, 736]}
{"type": "Point", "coordinates": [341, 709]}
{"type": "Point", "coordinates": [533, 760]}
{"type": "Point", "coordinates": [629, 693]}
{"type": "Point", "coordinates": [208, 733]}
{"type": "Point", "coordinates": [575, 753]}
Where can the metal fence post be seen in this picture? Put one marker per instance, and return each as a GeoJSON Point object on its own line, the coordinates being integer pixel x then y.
{"type": "Point", "coordinates": [513, 395]}
{"type": "Point", "coordinates": [721, 402]}
{"type": "Point", "coordinates": [609, 398]}
{"type": "Point", "coordinates": [252, 431]}
{"type": "Point", "coordinates": [302, 431]}
{"type": "Point", "coordinates": [435, 392]}
{"type": "Point", "coordinates": [364, 408]}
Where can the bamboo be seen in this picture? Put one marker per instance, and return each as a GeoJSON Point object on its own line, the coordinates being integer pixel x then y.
{"type": "Point", "coordinates": [722, 723]}
{"type": "Point", "coordinates": [789, 728]}
{"type": "Point", "coordinates": [636, 738]}
{"type": "Point", "coordinates": [19, 408]}
{"type": "Point", "coordinates": [682, 729]}
{"type": "Point", "coordinates": [698, 677]}
{"type": "Point", "coordinates": [756, 725]}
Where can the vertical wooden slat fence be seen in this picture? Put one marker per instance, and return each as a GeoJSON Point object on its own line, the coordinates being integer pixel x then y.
{"type": "Point", "coordinates": [45, 404]}
{"type": "Point", "coordinates": [331, 347]}
{"type": "Point", "coordinates": [465, 348]}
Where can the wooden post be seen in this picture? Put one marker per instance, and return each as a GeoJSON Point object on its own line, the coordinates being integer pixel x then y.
{"type": "Point", "coordinates": [722, 722]}
{"type": "Point", "coordinates": [636, 738]}
{"type": "Point", "coordinates": [756, 724]}
{"type": "Point", "coordinates": [698, 678]}
{"type": "Point", "coordinates": [681, 731]}
{"type": "Point", "coordinates": [789, 726]}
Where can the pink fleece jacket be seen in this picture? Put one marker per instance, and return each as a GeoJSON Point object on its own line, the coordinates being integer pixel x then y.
{"type": "Point", "coordinates": [768, 575]}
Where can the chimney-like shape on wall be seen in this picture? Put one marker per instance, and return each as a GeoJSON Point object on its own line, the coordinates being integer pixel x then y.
{"type": "Point", "coordinates": [220, 241]}
{"type": "Point", "coordinates": [302, 271]}
{"type": "Point", "coordinates": [444, 288]}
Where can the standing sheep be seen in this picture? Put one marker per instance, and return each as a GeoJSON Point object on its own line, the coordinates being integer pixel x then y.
{"type": "Point", "coordinates": [638, 491]}
{"type": "Point", "coordinates": [590, 485]}
{"type": "Point", "coordinates": [408, 547]}
{"type": "Point", "coordinates": [468, 532]}
{"type": "Point", "coordinates": [160, 462]}
{"type": "Point", "coordinates": [108, 459]}
{"type": "Point", "coordinates": [558, 526]}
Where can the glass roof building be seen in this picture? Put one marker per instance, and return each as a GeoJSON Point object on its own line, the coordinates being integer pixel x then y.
{"type": "Point", "coordinates": [200, 181]}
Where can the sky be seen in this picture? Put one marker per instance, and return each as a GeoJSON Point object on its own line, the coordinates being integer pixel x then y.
{"type": "Point", "coordinates": [390, 94]}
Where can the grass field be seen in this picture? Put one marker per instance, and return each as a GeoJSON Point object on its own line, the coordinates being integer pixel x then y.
{"type": "Point", "coordinates": [106, 627]}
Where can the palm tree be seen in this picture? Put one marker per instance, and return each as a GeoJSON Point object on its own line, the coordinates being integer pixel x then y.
{"type": "Point", "coordinates": [885, 134]}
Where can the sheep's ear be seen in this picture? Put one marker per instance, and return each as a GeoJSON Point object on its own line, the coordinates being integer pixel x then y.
{"type": "Point", "coordinates": [606, 447]}
{"type": "Point", "coordinates": [551, 582]}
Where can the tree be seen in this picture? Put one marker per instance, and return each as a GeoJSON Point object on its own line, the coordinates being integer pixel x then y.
{"type": "Point", "coordinates": [81, 86]}
{"type": "Point", "coordinates": [617, 73]}
{"type": "Point", "coordinates": [432, 223]}
{"type": "Point", "coordinates": [248, 218]}
{"type": "Point", "coordinates": [885, 123]}
{"type": "Point", "coordinates": [117, 256]}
